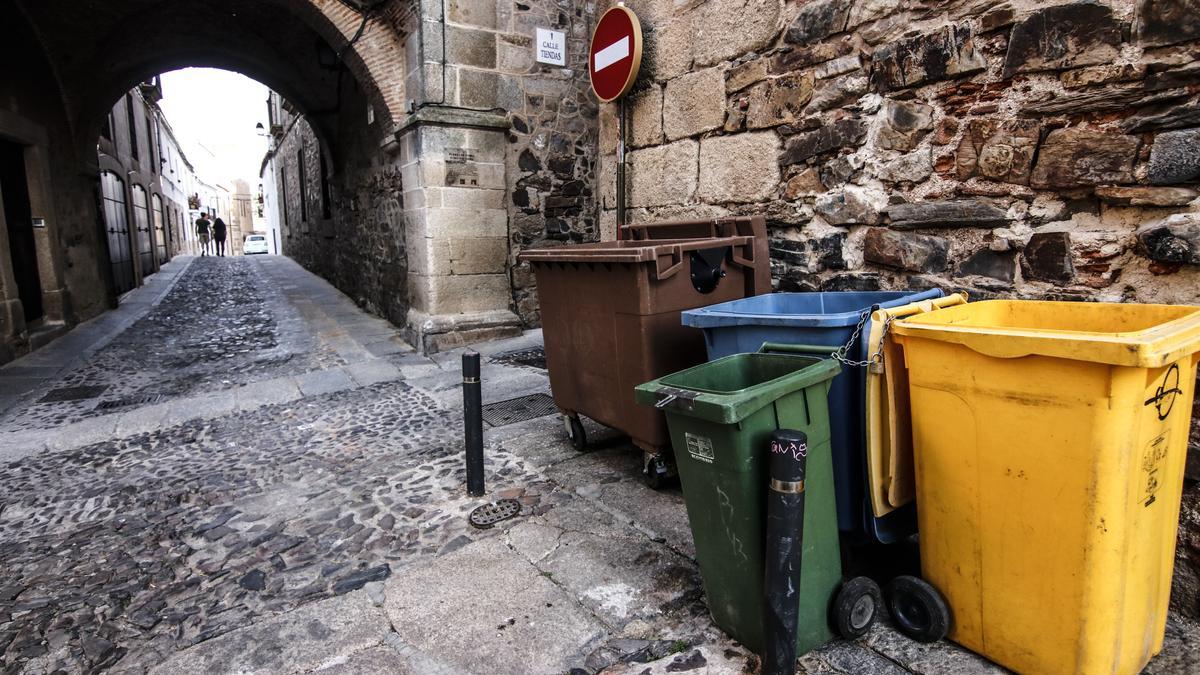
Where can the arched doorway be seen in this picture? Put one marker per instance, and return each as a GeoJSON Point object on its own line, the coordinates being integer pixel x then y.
{"type": "Point", "coordinates": [116, 223]}
{"type": "Point", "coordinates": [160, 230]}
{"type": "Point", "coordinates": [141, 221]}
{"type": "Point", "coordinates": [18, 217]}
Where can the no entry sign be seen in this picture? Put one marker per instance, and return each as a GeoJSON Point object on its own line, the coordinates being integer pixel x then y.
{"type": "Point", "coordinates": [615, 54]}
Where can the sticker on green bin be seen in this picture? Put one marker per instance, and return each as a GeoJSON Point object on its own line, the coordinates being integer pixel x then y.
{"type": "Point", "coordinates": [700, 448]}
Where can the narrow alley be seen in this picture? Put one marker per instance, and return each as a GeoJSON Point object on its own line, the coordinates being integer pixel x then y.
{"type": "Point", "coordinates": [288, 502]}
{"type": "Point", "coordinates": [836, 337]}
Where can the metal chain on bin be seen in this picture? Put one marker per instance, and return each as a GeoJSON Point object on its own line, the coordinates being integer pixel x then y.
{"type": "Point", "coordinates": [839, 355]}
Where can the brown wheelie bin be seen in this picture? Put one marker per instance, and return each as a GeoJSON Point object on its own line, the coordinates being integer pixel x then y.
{"type": "Point", "coordinates": [610, 317]}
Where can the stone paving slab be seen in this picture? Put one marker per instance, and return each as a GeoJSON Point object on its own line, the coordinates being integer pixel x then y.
{"type": "Point", "coordinates": [323, 636]}
{"type": "Point", "coordinates": [324, 381]}
{"type": "Point", "coordinates": [611, 477]}
{"type": "Point", "coordinates": [616, 572]}
{"type": "Point", "coordinates": [492, 612]}
{"type": "Point", "coordinates": [374, 660]}
{"type": "Point", "coordinates": [712, 659]}
{"type": "Point", "coordinates": [387, 346]}
{"type": "Point", "coordinates": [367, 373]}
{"type": "Point", "coordinates": [142, 420]}
{"type": "Point", "coordinates": [267, 392]}
{"type": "Point", "coordinates": [204, 406]}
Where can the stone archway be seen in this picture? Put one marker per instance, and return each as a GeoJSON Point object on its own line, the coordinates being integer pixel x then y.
{"type": "Point", "coordinates": [78, 59]}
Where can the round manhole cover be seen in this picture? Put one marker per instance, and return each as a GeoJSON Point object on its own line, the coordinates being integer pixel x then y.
{"type": "Point", "coordinates": [488, 515]}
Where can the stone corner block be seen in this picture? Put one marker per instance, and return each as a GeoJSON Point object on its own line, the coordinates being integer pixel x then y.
{"type": "Point", "coordinates": [664, 174]}
{"type": "Point", "coordinates": [694, 103]}
{"type": "Point", "coordinates": [739, 168]}
{"type": "Point", "coordinates": [646, 120]}
{"type": "Point", "coordinates": [724, 29]}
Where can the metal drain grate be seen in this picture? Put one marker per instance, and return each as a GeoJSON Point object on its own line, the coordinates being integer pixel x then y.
{"type": "Point", "coordinates": [534, 357]}
{"type": "Point", "coordinates": [488, 515]}
{"type": "Point", "coordinates": [73, 393]}
{"type": "Point", "coordinates": [145, 399]}
{"type": "Point", "coordinates": [521, 409]}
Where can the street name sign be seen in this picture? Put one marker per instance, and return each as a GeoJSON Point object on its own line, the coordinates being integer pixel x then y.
{"type": "Point", "coordinates": [551, 47]}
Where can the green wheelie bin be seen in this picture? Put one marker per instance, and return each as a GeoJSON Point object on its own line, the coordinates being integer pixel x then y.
{"type": "Point", "coordinates": [721, 416]}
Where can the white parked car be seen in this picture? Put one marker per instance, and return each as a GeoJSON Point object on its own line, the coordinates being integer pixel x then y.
{"type": "Point", "coordinates": [255, 243]}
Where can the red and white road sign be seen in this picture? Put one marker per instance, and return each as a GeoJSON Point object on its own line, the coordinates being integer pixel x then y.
{"type": "Point", "coordinates": [616, 53]}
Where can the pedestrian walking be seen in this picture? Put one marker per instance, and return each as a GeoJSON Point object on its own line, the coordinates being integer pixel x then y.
{"type": "Point", "coordinates": [219, 230]}
{"type": "Point", "coordinates": [203, 225]}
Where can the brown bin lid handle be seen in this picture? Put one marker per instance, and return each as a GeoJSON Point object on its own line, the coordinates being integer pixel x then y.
{"type": "Point", "coordinates": [676, 264]}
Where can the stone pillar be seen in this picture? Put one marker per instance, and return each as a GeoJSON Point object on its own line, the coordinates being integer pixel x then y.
{"type": "Point", "coordinates": [56, 299]}
{"type": "Point", "coordinates": [12, 314]}
{"type": "Point", "coordinates": [456, 227]}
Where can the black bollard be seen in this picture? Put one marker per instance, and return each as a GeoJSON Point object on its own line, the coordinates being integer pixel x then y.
{"type": "Point", "coordinates": [473, 422]}
{"type": "Point", "coordinates": [785, 544]}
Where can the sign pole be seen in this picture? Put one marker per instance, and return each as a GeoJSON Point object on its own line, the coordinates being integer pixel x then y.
{"type": "Point", "coordinates": [620, 167]}
{"type": "Point", "coordinates": [614, 58]}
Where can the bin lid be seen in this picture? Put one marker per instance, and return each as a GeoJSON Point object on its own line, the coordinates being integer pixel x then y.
{"type": "Point", "coordinates": [627, 251]}
{"type": "Point", "coordinates": [831, 309]}
{"type": "Point", "coordinates": [891, 479]}
{"type": "Point", "coordinates": [729, 390]}
{"type": "Point", "coordinates": [1120, 334]}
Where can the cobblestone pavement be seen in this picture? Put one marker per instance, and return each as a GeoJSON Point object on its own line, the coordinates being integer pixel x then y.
{"type": "Point", "coordinates": [149, 544]}
{"type": "Point", "coordinates": [117, 554]}
{"type": "Point", "coordinates": [222, 325]}
{"type": "Point", "coordinates": [327, 530]}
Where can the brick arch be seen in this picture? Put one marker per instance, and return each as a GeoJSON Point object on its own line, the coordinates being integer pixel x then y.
{"type": "Point", "coordinates": [378, 56]}
{"type": "Point", "coordinates": [102, 49]}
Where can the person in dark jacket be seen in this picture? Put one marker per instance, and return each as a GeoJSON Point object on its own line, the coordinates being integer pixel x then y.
{"type": "Point", "coordinates": [203, 232]}
{"type": "Point", "coordinates": [219, 230]}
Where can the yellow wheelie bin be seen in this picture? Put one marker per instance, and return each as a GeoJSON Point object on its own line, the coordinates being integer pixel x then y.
{"type": "Point", "coordinates": [1049, 442]}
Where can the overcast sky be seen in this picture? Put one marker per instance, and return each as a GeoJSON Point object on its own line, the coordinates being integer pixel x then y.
{"type": "Point", "coordinates": [213, 113]}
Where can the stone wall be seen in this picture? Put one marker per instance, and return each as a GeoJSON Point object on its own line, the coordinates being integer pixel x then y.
{"type": "Point", "coordinates": [552, 138]}
{"type": "Point", "coordinates": [1005, 148]}
{"type": "Point", "coordinates": [549, 114]}
{"type": "Point", "coordinates": [351, 230]}
{"type": "Point", "coordinates": [71, 258]}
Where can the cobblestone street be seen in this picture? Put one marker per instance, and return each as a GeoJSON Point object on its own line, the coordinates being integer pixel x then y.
{"type": "Point", "coordinates": [240, 471]}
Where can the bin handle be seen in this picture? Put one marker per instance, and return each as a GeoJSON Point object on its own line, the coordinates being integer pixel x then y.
{"type": "Point", "coordinates": [742, 260]}
{"type": "Point", "coordinates": [780, 347]}
{"type": "Point", "coordinates": [676, 265]}
{"type": "Point", "coordinates": [920, 307]}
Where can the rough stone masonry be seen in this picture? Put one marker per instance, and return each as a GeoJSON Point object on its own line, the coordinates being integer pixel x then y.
{"type": "Point", "coordinates": [1014, 149]}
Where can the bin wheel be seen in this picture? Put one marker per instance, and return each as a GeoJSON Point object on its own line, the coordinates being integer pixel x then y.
{"type": "Point", "coordinates": [656, 472]}
{"type": "Point", "coordinates": [576, 432]}
{"type": "Point", "coordinates": [919, 610]}
{"type": "Point", "coordinates": [856, 607]}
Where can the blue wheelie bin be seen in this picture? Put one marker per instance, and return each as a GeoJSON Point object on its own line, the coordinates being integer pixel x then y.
{"type": "Point", "coordinates": [822, 320]}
